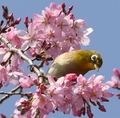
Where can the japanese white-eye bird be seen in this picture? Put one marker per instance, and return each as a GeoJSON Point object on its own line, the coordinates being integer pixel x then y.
{"type": "Point", "coordinates": [78, 62]}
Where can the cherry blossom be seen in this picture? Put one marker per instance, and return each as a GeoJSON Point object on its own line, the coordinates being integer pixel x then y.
{"type": "Point", "coordinates": [65, 95]}
{"type": "Point", "coordinates": [48, 35]}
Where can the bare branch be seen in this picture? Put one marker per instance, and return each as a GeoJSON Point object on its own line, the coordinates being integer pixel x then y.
{"type": "Point", "coordinates": [13, 93]}
{"type": "Point", "coordinates": [8, 95]}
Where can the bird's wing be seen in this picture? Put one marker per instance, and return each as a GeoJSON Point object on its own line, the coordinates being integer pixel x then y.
{"type": "Point", "coordinates": [53, 70]}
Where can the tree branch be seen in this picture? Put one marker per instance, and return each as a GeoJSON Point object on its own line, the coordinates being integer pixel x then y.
{"type": "Point", "coordinates": [10, 93]}
{"type": "Point", "coordinates": [14, 93]}
{"type": "Point", "coordinates": [23, 56]}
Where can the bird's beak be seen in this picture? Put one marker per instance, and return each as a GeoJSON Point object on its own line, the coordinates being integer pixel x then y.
{"type": "Point", "coordinates": [96, 67]}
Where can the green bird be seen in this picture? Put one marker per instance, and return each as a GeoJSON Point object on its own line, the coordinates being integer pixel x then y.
{"type": "Point", "coordinates": [78, 61]}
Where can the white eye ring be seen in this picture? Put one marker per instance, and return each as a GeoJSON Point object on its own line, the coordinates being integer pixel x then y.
{"type": "Point", "coordinates": [94, 57]}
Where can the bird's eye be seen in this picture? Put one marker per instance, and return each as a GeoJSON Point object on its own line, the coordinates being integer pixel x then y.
{"type": "Point", "coordinates": [94, 57]}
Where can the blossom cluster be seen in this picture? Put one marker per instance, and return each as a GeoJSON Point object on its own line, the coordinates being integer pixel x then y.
{"type": "Point", "coordinates": [115, 81]}
{"type": "Point", "coordinates": [58, 29]}
{"type": "Point", "coordinates": [55, 31]}
{"type": "Point", "coordinates": [69, 93]}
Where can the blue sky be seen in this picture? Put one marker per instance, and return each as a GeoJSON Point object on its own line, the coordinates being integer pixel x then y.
{"type": "Point", "coordinates": [103, 16]}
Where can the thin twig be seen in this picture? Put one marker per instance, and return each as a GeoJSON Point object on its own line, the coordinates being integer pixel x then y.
{"type": "Point", "coordinates": [20, 91]}
{"type": "Point", "coordinates": [8, 95]}
{"type": "Point", "coordinates": [13, 93]}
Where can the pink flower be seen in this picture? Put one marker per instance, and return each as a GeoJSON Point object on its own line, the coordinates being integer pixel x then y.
{"type": "Point", "coordinates": [16, 60]}
{"type": "Point", "coordinates": [105, 92]}
{"type": "Point", "coordinates": [52, 34]}
{"type": "Point", "coordinates": [62, 23]}
{"type": "Point", "coordinates": [53, 9]}
{"type": "Point", "coordinates": [13, 74]}
{"type": "Point", "coordinates": [81, 80]}
{"type": "Point", "coordinates": [43, 21]}
{"type": "Point", "coordinates": [115, 83]}
{"type": "Point", "coordinates": [13, 38]}
{"type": "Point", "coordinates": [43, 102]}
{"type": "Point", "coordinates": [78, 26]}
{"type": "Point", "coordinates": [24, 109]}
{"type": "Point", "coordinates": [59, 92]}
{"type": "Point", "coordinates": [71, 77]}
{"type": "Point", "coordinates": [30, 37]}
{"type": "Point", "coordinates": [25, 82]}
{"type": "Point", "coordinates": [94, 92]}
{"type": "Point", "coordinates": [77, 99]}
{"type": "Point", "coordinates": [55, 50]}
{"type": "Point", "coordinates": [39, 101]}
